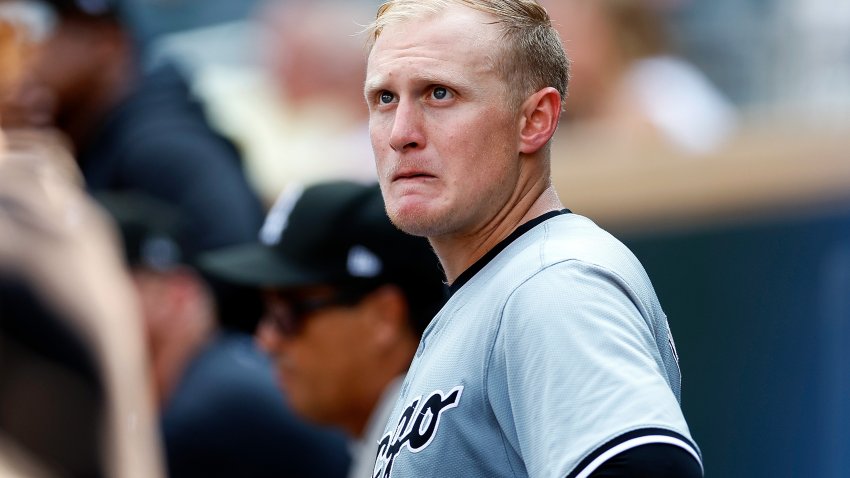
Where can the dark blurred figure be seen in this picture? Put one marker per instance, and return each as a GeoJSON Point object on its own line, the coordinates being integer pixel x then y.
{"type": "Point", "coordinates": [347, 299]}
{"type": "Point", "coordinates": [156, 19]}
{"type": "Point", "coordinates": [221, 412]}
{"type": "Point", "coordinates": [74, 399]}
{"type": "Point", "coordinates": [134, 130]}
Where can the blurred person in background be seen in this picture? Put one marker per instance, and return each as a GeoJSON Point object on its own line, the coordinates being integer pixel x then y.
{"type": "Point", "coordinates": [311, 65]}
{"type": "Point", "coordinates": [279, 82]}
{"type": "Point", "coordinates": [347, 299]}
{"type": "Point", "coordinates": [136, 130]}
{"type": "Point", "coordinates": [74, 396]}
{"type": "Point", "coordinates": [627, 86]}
{"type": "Point", "coordinates": [74, 399]}
{"type": "Point", "coordinates": [222, 414]}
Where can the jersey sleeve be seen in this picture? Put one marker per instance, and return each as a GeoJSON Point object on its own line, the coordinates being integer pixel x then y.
{"type": "Point", "coordinates": [575, 375]}
{"type": "Point", "coordinates": [655, 460]}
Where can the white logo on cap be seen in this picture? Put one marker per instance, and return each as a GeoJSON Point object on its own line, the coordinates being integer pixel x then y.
{"type": "Point", "coordinates": [159, 252]}
{"type": "Point", "coordinates": [278, 216]}
{"type": "Point", "coordinates": [363, 263]}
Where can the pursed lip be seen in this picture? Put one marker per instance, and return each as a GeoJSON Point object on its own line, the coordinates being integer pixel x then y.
{"type": "Point", "coordinates": [406, 174]}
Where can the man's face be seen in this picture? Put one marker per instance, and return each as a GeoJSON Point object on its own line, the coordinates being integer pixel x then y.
{"type": "Point", "coordinates": [60, 72]}
{"type": "Point", "coordinates": [320, 353]}
{"type": "Point", "coordinates": [446, 141]}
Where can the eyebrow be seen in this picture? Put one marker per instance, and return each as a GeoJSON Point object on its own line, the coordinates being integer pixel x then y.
{"type": "Point", "coordinates": [374, 84]}
{"type": "Point", "coordinates": [371, 86]}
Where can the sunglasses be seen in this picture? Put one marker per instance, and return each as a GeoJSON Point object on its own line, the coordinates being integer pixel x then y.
{"type": "Point", "coordinates": [288, 312]}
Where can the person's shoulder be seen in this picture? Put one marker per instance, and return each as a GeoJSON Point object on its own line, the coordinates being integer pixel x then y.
{"type": "Point", "coordinates": [162, 101]}
{"type": "Point", "coordinates": [159, 86]}
{"type": "Point", "coordinates": [563, 241]}
{"type": "Point", "coordinates": [233, 356]}
{"type": "Point", "coordinates": [575, 242]}
{"type": "Point", "coordinates": [571, 237]}
{"type": "Point", "coordinates": [226, 373]}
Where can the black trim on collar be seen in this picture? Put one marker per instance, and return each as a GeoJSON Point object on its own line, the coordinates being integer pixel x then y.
{"type": "Point", "coordinates": [583, 464]}
{"type": "Point", "coordinates": [464, 277]}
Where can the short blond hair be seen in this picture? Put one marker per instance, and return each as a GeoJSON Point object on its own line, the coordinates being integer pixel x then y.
{"type": "Point", "coordinates": [532, 56]}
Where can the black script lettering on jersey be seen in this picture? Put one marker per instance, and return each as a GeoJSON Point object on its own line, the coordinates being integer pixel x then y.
{"type": "Point", "coordinates": [416, 428]}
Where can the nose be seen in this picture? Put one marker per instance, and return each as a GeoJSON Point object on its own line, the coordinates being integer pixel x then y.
{"type": "Point", "coordinates": [407, 129]}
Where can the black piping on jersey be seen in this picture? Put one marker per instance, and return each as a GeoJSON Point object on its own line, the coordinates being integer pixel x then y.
{"type": "Point", "coordinates": [632, 439]}
{"type": "Point", "coordinates": [480, 263]}
{"type": "Point", "coordinates": [655, 460]}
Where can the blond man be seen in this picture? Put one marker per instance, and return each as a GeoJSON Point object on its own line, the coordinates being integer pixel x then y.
{"type": "Point", "coordinates": [553, 357]}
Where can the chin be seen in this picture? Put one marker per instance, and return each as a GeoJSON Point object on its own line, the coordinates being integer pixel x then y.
{"type": "Point", "coordinates": [418, 214]}
{"type": "Point", "coordinates": [418, 223]}
{"type": "Point", "coordinates": [414, 229]}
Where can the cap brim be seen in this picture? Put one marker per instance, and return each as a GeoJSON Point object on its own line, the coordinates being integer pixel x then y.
{"type": "Point", "coordinates": [258, 265]}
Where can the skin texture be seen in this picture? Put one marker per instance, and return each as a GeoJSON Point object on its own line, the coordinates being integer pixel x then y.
{"type": "Point", "coordinates": [455, 162]}
{"type": "Point", "coordinates": [335, 368]}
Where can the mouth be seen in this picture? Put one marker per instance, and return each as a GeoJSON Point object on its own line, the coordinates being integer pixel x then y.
{"type": "Point", "coordinates": [412, 175]}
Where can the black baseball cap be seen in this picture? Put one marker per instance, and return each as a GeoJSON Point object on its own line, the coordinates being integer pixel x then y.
{"type": "Point", "coordinates": [333, 233]}
{"type": "Point", "coordinates": [158, 235]}
{"type": "Point", "coordinates": [90, 8]}
{"type": "Point", "coordinates": [152, 230]}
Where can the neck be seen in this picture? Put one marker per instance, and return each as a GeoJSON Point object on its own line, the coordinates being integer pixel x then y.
{"type": "Point", "coordinates": [458, 252]}
{"type": "Point", "coordinates": [392, 364]}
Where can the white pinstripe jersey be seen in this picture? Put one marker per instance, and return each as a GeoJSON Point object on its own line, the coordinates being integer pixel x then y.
{"type": "Point", "coordinates": [551, 356]}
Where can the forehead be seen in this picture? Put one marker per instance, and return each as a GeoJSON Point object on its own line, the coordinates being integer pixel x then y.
{"type": "Point", "coordinates": [455, 39]}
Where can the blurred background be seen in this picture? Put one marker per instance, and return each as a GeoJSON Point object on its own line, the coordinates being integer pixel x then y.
{"type": "Point", "coordinates": [712, 137]}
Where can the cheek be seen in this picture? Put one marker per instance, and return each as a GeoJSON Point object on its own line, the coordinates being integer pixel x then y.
{"type": "Point", "coordinates": [380, 126]}
{"type": "Point", "coordinates": [150, 297]}
{"type": "Point", "coordinates": [378, 134]}
{"type": "Point", "coordinates": [305, 354]}
{"type": "Point", "coordinates": [483, 146]}
{"type": "Point", "coordinates": [320, 350]}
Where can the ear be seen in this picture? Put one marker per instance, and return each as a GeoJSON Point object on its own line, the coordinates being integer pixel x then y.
{"type": "Point", "coordinates": [540, 114]}
{"type": "Point", "coordinates": [183, 286]}
{"type": "Point", "coordinates": [186, 301]}
{"type": "Point", "coordinates": [387, 316]}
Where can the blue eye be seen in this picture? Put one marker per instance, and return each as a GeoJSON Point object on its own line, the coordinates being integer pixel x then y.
{"type": "Point", "coordinates": [386, 97]}
{"type": "Point", "coordinates": [440, 93]}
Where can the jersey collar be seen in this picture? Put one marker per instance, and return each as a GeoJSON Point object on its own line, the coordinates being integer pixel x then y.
{"type": "Point", "coordinates": [466, 275]}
